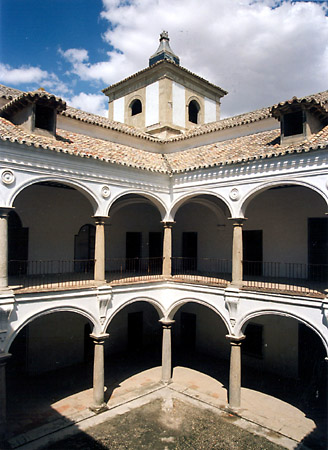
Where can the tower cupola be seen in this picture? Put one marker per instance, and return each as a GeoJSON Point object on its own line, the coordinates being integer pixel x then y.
{"type": "Point", "coordinates": [164, 51]}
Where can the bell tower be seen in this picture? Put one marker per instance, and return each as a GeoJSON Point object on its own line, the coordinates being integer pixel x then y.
{"type": "Point", "coordinates": [164, 99]}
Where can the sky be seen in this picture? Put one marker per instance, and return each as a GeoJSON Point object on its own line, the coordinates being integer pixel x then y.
{"type": "Point", "coordinates": [260, 51]}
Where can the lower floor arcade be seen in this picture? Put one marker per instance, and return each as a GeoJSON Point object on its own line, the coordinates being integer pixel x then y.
{"type": "Point", "coordinates": [54, 356]}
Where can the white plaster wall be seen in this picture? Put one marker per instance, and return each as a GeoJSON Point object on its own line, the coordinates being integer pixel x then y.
{"type": "Point", "coordinates": [210, 331]}
{"type": "Point", "coordinates": [118, 110]}
{"type": "Point", "coordinates": [55, 340]}
{"type": "Point", "coordinates": [283, 215]}
{"type": "Point", "coordinates": [152, 104]}
{"type": "Point", "coordinates": [118, 328]}
{"type": "Point", "coordinates": [213, 241]}
{"type": "Point", "coordinates": [53, 217]}
{"type": "Point", "coordinates": [179, 105]}
{"type": "Point", "coordinates": [138, 217]}
{"type": "Point", "coordinates": [210, 110]}
{"type": "Point", "coordinates": [280, 346]}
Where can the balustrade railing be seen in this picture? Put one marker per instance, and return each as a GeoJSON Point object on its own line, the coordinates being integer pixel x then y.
{"type": "Point", "coordinates": [133, 269]}
{"type": "Point", "coordinates": [276, 276]}
{"type": "Point", "coordinates": [50, 273]}
{"type": "Point", "coordinates": [295, 277]}
{"type": "Point", "coordinates": [207, 270]}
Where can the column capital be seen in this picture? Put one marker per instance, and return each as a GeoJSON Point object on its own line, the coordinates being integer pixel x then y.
{"type": "Point", "coordinates": [100, 220]}
{"type": "Point", "coordinates": [166, 323]}
{"type": "Point", "coordinates": [4, 357]}
{"type": "Point", "coordinates": [168, 223]}
{"type": "Point", "coordinates": [100, 339]}
{"type": "Point", "coordinates": [4, 211]}
{"type": "Point", "coordinates": [235, 340]}
{"type": "Point", "coordinates": [238, 221]}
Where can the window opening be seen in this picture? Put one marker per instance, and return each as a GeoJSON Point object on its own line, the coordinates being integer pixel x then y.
{"type": "Point", "coordinates": [293, 123]}
{"type": "Point", "coordinates": [44, 117]}
{"type": "Point", "coordinates": [193, 110]}
{"type": "Point", "coordinates": [136, 107]}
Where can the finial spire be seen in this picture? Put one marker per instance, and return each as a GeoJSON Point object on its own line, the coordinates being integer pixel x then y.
{"type": "Point", "coordinates": [164, 51]}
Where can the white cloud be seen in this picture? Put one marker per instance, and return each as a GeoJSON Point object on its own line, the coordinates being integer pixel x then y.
{"type": "Point", "coordinates": [32, 75]}
{"type": "Point", "coordinates": [93, 103]}
{"type": "Point", "coordinates": [261, 51]}
{"type": "Point", "coordinates": [24, 74]}
{"type": "Point", "coordinates": [75, 55]}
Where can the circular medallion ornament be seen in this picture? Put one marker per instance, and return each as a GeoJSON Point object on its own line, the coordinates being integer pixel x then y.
{"type": "Point", "coordinates": [7, 177]}
{"type": "Point", "coordinates": [234, 194]}
{"type": "Point", "coordinates": [105, 191]}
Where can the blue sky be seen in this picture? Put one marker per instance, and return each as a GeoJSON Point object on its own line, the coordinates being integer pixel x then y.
{"type": "Point", "coordinates": [261, 51]}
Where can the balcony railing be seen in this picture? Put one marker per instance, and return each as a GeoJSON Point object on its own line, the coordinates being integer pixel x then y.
{"type": "Point", "coordinates": [133, 269]}
{"type": "Point", "coordinates": [202, 270]}
{"type": "Point", "coordinates": [293, 278]}
{"type": "Point", "coordinates": [290, 277]}
{"type": "Point", "coordinates": [51, 273]}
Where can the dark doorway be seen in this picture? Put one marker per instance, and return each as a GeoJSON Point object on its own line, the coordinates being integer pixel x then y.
{"type": "Point", "coordinates": [88, 343]}
{"type": "Point", "coordinates": [189, 251]}
{"type": "Point", "coordinates": [84, 248]}
{"type": "Point", "coordinates": [133, 250]}
{"type": "Point", "coordinates": [188, 332]}
{"type": "Point", "coordinates": [17, 245]}
{"type": "Point", "coordinates": [252, 252]}
{"type": "Point", "coordinates": [155, 251]}
{"type": "Point", "coordinates": [135, 331]}
{"type": "Point", "coordinates": [318, 248]}
{"type": "Point", "coordinates": [311, 363]}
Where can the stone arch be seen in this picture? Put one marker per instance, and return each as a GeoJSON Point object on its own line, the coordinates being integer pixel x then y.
{"type": "Point", "coordinates": [241, 325]}
{"type": "Point", "coordinates": [46, 312]}
{"type": "Point", "coordinates": [266, 186]}
{"type": "Point", "coordinates": [193, 195]}
{"type": "Point", "coordinates": [158, 307]}
{"type": "Point", "coordinates": [178, 304]}
{"type": "Point", "coordinates": [154, 199]}
{"type": "Point", "coordinates": [84, 190]}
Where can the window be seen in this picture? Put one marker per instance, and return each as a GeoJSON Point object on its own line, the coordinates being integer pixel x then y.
{"type": "Point", "coordinates": [252, 345]}
{"type": "Point", "coordinates": [44, 117]}
{"type": "Point", "coordinates": [293, 123]}
{"type": "Point", "coordinates": [136, 107]}
{"type": "Point", "coordinates": [193, 111]}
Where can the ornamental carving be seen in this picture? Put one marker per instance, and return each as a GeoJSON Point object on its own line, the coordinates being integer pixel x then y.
{"type": "Point", "coordinates": [105, 191]}
{"type": "Point", "coordinates": [7, 177]}
{"type": "Point", "coordinates": [234, 194]}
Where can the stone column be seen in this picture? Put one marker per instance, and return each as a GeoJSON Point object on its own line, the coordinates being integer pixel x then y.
{"type": "Point", "coordinates": [3, 404]}
{"type": "Point", "coordinates": [235, 370]}
{"type": "Point", "coordinates": [99, 373]}
{"type": "Point", "coordinates": [4, 247]}
{"type": "Point", "coordinates": [99, 271]}
{"type": "Point", "coordinates": [166, 350]}
{"type": "Point", "coordinates": [237, 252]}
{"type": "Point", "coordinates": [167, 249]}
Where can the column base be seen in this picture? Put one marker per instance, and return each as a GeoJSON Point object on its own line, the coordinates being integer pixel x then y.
{"type": "Point", "coordinates": [166, 382]}
{"type": "Point", "coordinates": [99, 408]}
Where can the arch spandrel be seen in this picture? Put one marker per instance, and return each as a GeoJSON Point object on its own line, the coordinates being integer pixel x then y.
{"type": "Point", "coordinates": [194, 195]}
{"type": "Point", "coordinates": [69, 309]}
{"type": "Point", "coordinates": [158, 307]}
{"type": "Point", "coordinates": [157, 202]}
{"type": "Point", "coordinates": [84, 190]}
{"type": "Point", "coordinates": [251, 195]}
{"type": "Point", "coordinates": [180, 303]}
{"type": "Point", "coordinates": [241, 324]}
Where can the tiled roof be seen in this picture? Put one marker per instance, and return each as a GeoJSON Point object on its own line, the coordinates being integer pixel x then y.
{"type": "Point", "coordinates": [316, 104]}
{"type": "Point", "coordinates": [8, 93]}
{"type": "Point", "coordinates": [246, 148]}
{"type": "Point", "coordinates": [86, 147]}
{"type": "Point", "coordinates": [233, 151]}
{"type": "Point", "coordinates": [30, 97]}
{"type": "Point", "coordinates": [166, 61]}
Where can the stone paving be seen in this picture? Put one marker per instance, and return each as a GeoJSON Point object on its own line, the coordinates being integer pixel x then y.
{"type": "Point", "coordinates": [257, 408]}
